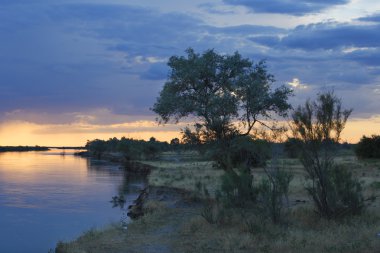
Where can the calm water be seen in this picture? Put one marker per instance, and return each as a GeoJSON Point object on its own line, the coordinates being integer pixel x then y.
{"type": "Point", "coordinates": [46, 197]}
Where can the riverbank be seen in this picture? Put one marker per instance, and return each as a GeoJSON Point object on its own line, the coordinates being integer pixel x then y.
{"type": "Point", "coordinates": [175, 216]}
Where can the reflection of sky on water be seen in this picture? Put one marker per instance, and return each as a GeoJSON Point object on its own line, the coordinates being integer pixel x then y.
{"type": "Point", "coordinates": [46, 197]}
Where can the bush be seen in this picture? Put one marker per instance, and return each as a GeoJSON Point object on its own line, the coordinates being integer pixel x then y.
{"type": "Point", "coordinates": [248, 152]}
{"type": "Point", "coordinates": [239, 152]}
{"type": "Point", "coordinates": [273, 194]}
{"type": "Point", "coordinates": [292, 148]}
{"type": "Point", "coordinates": [368, 147]}
{"type": "Point", "coordinates": [237, 189]}
{"type": "Point", "coordinates": [347, 192]}
{"type": "Point", "coordinates": [343, 193]}
{"type": "Point", "coordinates": [318, 126]}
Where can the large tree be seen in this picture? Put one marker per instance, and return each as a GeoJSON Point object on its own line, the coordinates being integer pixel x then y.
{"type": "Point", "coordinates": [226, 94]}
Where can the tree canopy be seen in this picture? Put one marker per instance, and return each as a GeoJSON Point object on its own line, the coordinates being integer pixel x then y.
{"type": "Point", "coordinates": [226, 94]}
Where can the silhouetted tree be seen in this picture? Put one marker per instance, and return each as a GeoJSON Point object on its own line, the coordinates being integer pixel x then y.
{"type": "Point", "coordinates": [219, 91]}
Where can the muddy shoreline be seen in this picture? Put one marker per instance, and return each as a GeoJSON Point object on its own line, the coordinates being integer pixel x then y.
{"type": "Point", "coordinates": [172, 197]}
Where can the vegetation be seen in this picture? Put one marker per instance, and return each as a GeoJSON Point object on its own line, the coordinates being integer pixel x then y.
{"type": "Point", "coordinates": [292, 147]}
{"type": "Point", "coordinates": [219, 91]}
{"type": "Point", "coordinates": [318, 126]}
{"type": "Point", "coordinates": [22, 148]}
{"type": "Point", "coordinates": [368, 147]}
{"type": "Point", "coordinates": [130, 149]}
{"type": "Point", "coordinates": [258, 202]}
{"type": "Point", "coordinates": [174, 226]}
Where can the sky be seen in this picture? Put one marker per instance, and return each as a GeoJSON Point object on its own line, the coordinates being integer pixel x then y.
{"type": "Point", "coordinates": [75, 70]}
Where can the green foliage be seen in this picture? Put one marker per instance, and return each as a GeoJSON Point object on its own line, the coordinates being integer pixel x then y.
{"type": "Point", "coordinates": [292, 148]}
{"type": "Point", "coordinates": [273, 194]}
{"type": "Point", "coordinates": [97, 147]}
{"type": "Point", "coordinates": [237, 189]}
{"type": "Point", "coordinates": [61, 248]}
{"type": "Point", "coordinates": [318, 126]}
{"type": "Point", "coordinates": [213, 213]}
{"type": "Point", "coordinates": [219, 90]}
{"type": "Point", "coordinates": [368, 147]}
{"type": "Point", "coordinates": [345, 192]}
{"type": "Point", "coordinates": [241, 152]}
{"type": "Point", "coordinates": [375, 185]}
{"type": "Point", "coordinates": [248, 152]}
{"type": "Point", "coordinates": [130, 148]}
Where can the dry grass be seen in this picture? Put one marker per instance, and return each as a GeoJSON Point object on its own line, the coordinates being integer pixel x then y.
{"type": "Point", "coordinates": [185, 175]}
{"type": "Point", "coordinates": [305, 233]}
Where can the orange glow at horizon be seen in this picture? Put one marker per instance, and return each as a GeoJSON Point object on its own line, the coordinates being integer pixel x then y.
{"type": "Point", "coordinates": [24, 133]}
{"type": "Point", "coordinates": [29, 134]}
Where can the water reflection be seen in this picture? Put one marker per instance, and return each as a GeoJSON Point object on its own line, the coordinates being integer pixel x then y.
{"type": "Point", "coordinates": [47, 196]}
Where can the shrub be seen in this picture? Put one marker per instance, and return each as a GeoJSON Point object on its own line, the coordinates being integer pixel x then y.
{"type": "Point", "coordinates": [318, 126]}
{"type": "Point", "coordinates": [292, 148]}
{"type": "Point", "coordinates": [239, 152]}
{"type": "Point", "coordinates": [273, 194]}
{"type": "Point", "coordinates": [248, 152]}
{"type": "Point", "coordinates": [213, 213]}
{"type": "Point", "coordinates": [368, 147]}
{"type": "Point", "coordinates": [346, 192]}
{"type": "Point", "coordinates": [237, 189]}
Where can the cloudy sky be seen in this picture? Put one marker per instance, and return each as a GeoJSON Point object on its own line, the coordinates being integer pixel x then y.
{"type": "Point", "coordinates": [73, 70]}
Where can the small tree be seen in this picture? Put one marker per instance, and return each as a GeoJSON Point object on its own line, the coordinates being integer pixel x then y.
{"type": "Point", "coordinates": [226, 94]}
{"type": "Point", "coordinates": [318, 126]}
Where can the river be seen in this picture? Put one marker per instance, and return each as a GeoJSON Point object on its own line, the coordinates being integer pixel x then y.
{"type": "Point", "coordinates": [50, 196]}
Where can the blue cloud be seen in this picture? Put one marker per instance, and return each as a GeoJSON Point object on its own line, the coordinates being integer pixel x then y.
{"type": "Point", "coordinates": [372, 18]}
{"type": "Point", "coordinates": [368, 57]}
{"type": "Point", "coordinates": [60, 57]}
{"type": "Point", "coordinates": [325, 36]}
{"type": "Point", "coordinates": [291, 7]}
{"type": "Point", "coordinates": [246, 30]}
{"type": "Point", "coordinates": [156, 71]}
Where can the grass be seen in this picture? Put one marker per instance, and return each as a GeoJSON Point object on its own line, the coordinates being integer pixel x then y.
{"type": "Point", "coordinates": [177, 230]}
{"type": "Point", "coordinates": [186, 175]}
{"type": "Point", "coordinates": [306, 234]}
{"type": "Point", "coordinates": [184, 229]}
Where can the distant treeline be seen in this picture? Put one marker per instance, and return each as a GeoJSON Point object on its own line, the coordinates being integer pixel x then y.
{"type": "Point", "coordinates": [67, 147]}
{"type": "Point", "coordinates": [130, 148]}
{"type": "Point", "coordinates": [368, 147]}
{"type": "Point", "coordinates": [256, 151]}
{"type": "Point", "coordinates": [22, 148]}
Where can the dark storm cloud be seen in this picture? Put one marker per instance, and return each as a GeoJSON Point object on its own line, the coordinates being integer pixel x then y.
{"type": "Point", "coordinates": [291, 7]}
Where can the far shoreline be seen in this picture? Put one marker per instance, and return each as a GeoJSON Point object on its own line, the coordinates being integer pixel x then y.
{"type": "Point", "coordinates": [34, 148]}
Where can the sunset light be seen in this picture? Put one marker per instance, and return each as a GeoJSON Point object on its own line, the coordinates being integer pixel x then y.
{"type": "Point", "coordinates": [189, 126]}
